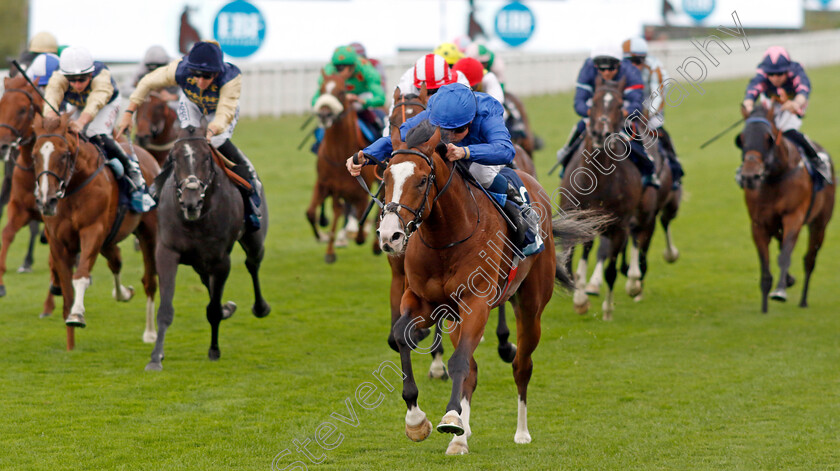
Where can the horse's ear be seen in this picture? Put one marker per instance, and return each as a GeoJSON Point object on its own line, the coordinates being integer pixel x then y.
{"type": "Point", "coordinates": [738, 142]}
{"type": "Point", "coordinates": [770, 115]}
{"type": "Point", "coordinates": [744, 111]}
{"type": "Point", "coordinates": [324, 74]}
{"type": "Point", "coordinates": [38, 123]}
{"type": "Point", "coordinates": [6, 83]}
{"type": "Point", "coordinates": [65, 118]}
{"type": "Point", "coordinates": [424, 93]}
{"type": "Point", "coordinates": [397, 94]}
{"type": "Point", "coordinates": [599, 80]}
{"type": "Point", "coordinates": [622, 83]}
{"type": "Point", "coordinates": [347, 73]}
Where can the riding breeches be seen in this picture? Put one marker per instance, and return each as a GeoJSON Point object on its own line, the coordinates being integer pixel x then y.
{"type": "Point", "coordinates": [484, 174]}
{"type": "Point", "coordinates": [105, 119]}
{"type": "Point", "coordinates": [190, 115]}
{"type": "Point", "coordinates": [785, 120]}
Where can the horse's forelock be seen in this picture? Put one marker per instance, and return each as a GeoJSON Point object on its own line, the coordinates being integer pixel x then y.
{"type": "Point", "coordinates": [420, 134]}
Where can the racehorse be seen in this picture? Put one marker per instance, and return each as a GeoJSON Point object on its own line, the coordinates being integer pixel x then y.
{"type": "Point", "coordinates": [18, 107]}
{"type": "Point", "coordinates": [201, 212]}
{"type": "Point", "coordinates": [781, 198]}
{"type": "Point", "coordinates": [156, 127]}
{"type": "Point", "coordinates": [527, 140]}
{"type": "Point", "coordinates": [82, 215]}
{"type": "Point", "coordinates": [342, 138]}
{"type": "Point", "coordinates": [599, 177]}
{"type": "Point", "coordinates": [460, 238]}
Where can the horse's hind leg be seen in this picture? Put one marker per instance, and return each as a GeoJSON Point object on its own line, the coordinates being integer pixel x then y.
{"type": "Point", "coordinates": [669, 212]}
{"type": "Point", "coordinates": [792, 225]}
{"type": "Point", "coordinates": [580, 299]}
{"type": "Point", "coordinates": [146, 237]}
{"type": "Point", "coordinates": [34, 229]}
{"type": "Point", "coordinates": [120, 292]}
{"type": "Point", "coordinates": [816, 233]}
{"type": "Point", "coordinates": [16, 220]}
{"type": "Point", "coordinates": [329, 257]}
{"type": "Point", "coordinates": [507, 350]}
{"type": "Point", "coordinates": [593, 288]}
{"type": "Point", "coordinates": [252, 243]}
{"type": "Point", "coordinates": [319, 194]}
{"type": "Point", "coordinates": [617, 241]}
{"type": "Point", "coordinates": [166, 264]}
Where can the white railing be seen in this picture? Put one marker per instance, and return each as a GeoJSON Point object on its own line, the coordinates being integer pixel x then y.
{"type": "Point", "coordinates": [274, 89]}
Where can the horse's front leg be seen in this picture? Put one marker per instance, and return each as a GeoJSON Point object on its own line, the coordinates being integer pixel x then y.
{"type": "Point", "coordinates": [62, 267]}
{"type": "Point", "coordinates": [464, 372]}
{"type": "Point", "coordinates": [415, 315]}
{"type": "Point", "coordinates": [166, 263]}
{"type": "Point", "coordinates": [90, 241]}
{"type": "Point", "coordinates": [113, 255]}
{"type": "Point", "coordinates": [762, 244]}
{"type": "Point", "coordinates": [215, 312]}
{"type": "Point", "coordinates": [792, 224]}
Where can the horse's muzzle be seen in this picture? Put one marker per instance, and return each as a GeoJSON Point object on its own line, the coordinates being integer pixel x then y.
{"type": "Point", "coordinates": [391, 237]}
{"type": "Point", "coordinates": [48, 207]}
{"type": "Point", "coordinates": [192, 208]}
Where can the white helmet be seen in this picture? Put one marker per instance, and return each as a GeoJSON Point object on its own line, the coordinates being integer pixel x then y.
{"type": "Point", "coordinates": [156, 55]}
{"type": "Point", "coordinates": [76, 60]}
{"type": "Point", "coordinates": [607, 51]}
{"type": "Point", "coordinates": [636, 47]}
{"type": "Point", "coordinates": [43, 42]}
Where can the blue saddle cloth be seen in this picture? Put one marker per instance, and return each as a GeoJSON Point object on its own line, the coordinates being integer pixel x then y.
{"type": "Point", "coordinates": [532, 243]}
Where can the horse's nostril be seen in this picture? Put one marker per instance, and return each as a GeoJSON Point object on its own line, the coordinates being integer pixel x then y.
{"type": "Point", "coordinates": [377, 233]}
{"type": "Point", "coordinates": [396, 237]}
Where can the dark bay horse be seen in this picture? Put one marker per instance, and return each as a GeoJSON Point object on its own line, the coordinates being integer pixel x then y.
{"type": "Point", "coordinates": [80, 205]}
{"type": "Point", "coordinates": [157, 127]}
{"type": "Point", "coordinates": [601, 178]}
{"type": "Point", "coordinates": [18, 107]}
{"type": "Point", "coordinates": [456, 267]}
{"type": "Point", "coordinates": [342, 138]}
{"type": "Point", "coordinates": [201, 213]}
{"type": "Point", "coordinates": [781, 198]}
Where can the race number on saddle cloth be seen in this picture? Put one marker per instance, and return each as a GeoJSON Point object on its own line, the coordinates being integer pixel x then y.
{"type": "Point", "coordinates": [365, 83]}
{"type": "Point", "coordinates": [783, 85]}
{"type": "Point", "coordinates": [210, 90]}
{"type": "Point", "coordinates": [87, 85]}
{"type": "Point", "coordinates": [472, 123]}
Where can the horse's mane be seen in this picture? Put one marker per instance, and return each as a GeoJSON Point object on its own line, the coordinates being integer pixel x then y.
{"type": "Point", "coordinates": [420, 134]}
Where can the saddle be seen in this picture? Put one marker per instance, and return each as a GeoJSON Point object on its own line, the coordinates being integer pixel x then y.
{"type": "Point", "coordinates": [523, 217]}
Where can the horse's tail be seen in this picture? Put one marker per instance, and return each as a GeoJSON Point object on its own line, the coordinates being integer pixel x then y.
{"type": "Point", "coordinates": [570, 229]}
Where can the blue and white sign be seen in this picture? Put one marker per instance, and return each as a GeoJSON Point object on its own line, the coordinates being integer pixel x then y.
{"type": "Point", "coordinates": [515, 23]}
{"type": "Point", "coordinates": [239, 28]}
{"type": "Point", "coordinates": [698, 9]}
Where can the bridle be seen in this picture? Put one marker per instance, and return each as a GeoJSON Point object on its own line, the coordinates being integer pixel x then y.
{"type": "Point", "coordinates": [21, 140]}
{"type": "Point", "coordinates": [411, 226]}
{"type": "Point", "coordinates": [754, 154]}
{"type": "Point", "coordinates": [69, 169]}
{"type": "Point", "coordinates": [405, 102]}
{"type": "Point", "coordinates": [191, 182]}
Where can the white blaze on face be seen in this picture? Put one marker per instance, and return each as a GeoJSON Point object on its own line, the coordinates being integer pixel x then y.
{"type": "Point", "coordinates": [391, 223]}
{"type": "Point", "coordinates": [608, 98]}
{"type": "Point", "coordinates": [46, 151]}
{"type": "Point", "coordinates": [329, 87]}
{"type": "Point", "coordinates": [190, 157]}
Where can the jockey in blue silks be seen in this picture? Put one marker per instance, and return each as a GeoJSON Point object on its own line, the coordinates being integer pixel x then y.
{"type": "Point", "coordinates": [784, 84]}
{"type": "Point", "coordinates": [473, 126]}
{"type": "Point", "coordinates": [607, 62]}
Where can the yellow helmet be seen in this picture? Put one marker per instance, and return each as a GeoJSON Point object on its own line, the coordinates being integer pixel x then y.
{"type": "Point", "coordinates": [450, 52]}
{"type": "Point", "coordinates": [43, 42]}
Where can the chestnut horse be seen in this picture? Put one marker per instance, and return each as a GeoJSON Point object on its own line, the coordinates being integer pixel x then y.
{"type": "Point", "coordinates": [18, 107]}
{"type": "Point", "coordinates": [157, 127]}
{"type": "Point", "coordinates": [460, 240]}
{"type": "Point", "coordinates": [342, 138]}
{"type": "Point", "coordinates": [781, 198]}
{"type": "Point", "coordinates": [201, 213]}
{"type": "Point", "coordinates": [80, 205]}
{"type": "Point", "coordinates": [601, 178]}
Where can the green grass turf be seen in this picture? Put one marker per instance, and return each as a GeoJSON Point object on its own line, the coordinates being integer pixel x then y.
{"type": "Point", "coordinates": [693, 377]}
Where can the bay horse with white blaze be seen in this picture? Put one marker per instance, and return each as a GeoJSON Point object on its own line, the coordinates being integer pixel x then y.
{"type": "Point", "coordinates": [458, 238]}
{"type": "Point", "coordinates": [79, 200]}
{"type": "Point", "coordinates": [781, 198]}
{"type": "Point", "coordinates": [201, 213]}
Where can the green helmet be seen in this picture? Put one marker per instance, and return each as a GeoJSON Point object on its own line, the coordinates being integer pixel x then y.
{"type": "Point", "coordinates": [344, 55]}
{"type": "Point", "coordinates": [485, 56]}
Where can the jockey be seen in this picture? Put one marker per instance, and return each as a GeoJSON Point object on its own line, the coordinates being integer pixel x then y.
{"type": "Point", "coordinates": [210, 89]}
{"type": "Point", "coordinates": [432, 70]}
{"type": "Point", "coordinates": [472, 125]}
{"type": "Point", "coordinates": [88, 85]}
{"type": "Point", "coordinates": [653, 76]}
{"type": "Point", "coordinates": [154, 58]}
{"type": "Point", "coordinates": [42, 68]}
{"type": "Point", "coordinates": [606, 62]}
{"type": "Point", "coordinates": [364, 88]}
{"type": "Point", "coordinates": [489, 60]}
{"type": "Point", "coordinates": [450, 52]}
{"type": "Point", "coordinates": [41, 43]}
{"type": "Point", "coordinates": [480, 80]}
{"type": "Point", "coordinates": [376, 63]}
{"type": "Point", "coordinates": [784, 83]}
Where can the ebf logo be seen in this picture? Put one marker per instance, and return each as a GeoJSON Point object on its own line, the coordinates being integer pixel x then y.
{"type": "Point", "coordinates": [239, 28]}
{"type": "Point", "coordinates": [515, 23]}
{"type": "Point", "coordinates": [698, 9]}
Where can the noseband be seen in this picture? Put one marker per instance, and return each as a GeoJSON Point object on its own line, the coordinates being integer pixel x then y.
{"type": "Point", "coordinates": [191, 182]}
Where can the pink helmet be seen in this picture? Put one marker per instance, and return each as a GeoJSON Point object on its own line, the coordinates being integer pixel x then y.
{"type": "Point", "coordinates": [434, 71]}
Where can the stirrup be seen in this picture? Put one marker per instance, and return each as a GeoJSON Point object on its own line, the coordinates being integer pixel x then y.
{"type": "Point", "coordinates": [651, 180]}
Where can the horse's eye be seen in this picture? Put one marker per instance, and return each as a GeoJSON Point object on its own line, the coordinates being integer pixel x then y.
{"type": "Point", "coordinates": [422, 182]}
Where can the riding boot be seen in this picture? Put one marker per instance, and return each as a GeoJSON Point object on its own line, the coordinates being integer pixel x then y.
{"type": "Point", "coordinates": [645, 164]}
{"type": "Point", "coordinates": [564, 155]}
{"type": "Point", "coordinates": [667, 146]}
{"type": "Point", "coordinates": [525, 217]}
{"type": "Point", "coordinates": [819, 160]}
{"type": "Point", "coordinates": [245, 169]}
{"type": "Point", "coordinates": [141, 202]}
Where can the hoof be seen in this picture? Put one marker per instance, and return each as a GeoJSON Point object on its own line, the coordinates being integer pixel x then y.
{"type": "Point", "coordinates": [261, 310]}
{"type": "Point", "coordinates": [154, 366]}
{"type": "Point", "coordinates": [76, 320]}
{"type": "Point", "coordinates": [125, 299]}
{"type": "Point", "coordinates": [522, 437]}
{"type": "Point", "coordinates": [451, 423]}
{"type": "Point", "coordinates": [592, 290]}
{"type": "Point", "coordinates": [639, 298]}
{"type": "Point", "coordinates": [779, 295]}
{"type": "Point", "coordinates": [136, 244]}
{"type": "Point", "coordinates": [340, 243]}
{"type": "Point", "coordinates": [25, 269]}
{"type": "Point", "coordinates": [2, 290]}
{"type": "Point", "coordinates": [633, 287]}
{"type": "Point", "coordinates": [457, 448]}
{"type": "Point", "coordinates": [214, 354]}
{"type": "Point", "coordinates": [507, 352]}
{"type": "Point", "coordinates": [582, 308]}
{"type": "Point", "coordinates": [228, 309]}
{"type": "Point", "coordinates": [671, 256]}
{"type": "Point", "coordinates": [418, 433]}
{"type": "Point", "coordinates": [329, 258]}
{"type": "Point", "coordinates": [44, 315]}
{"type": "Point", "coordinates": [149, 337]}
{"type": "Point", "coordinates": [441, 373]}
